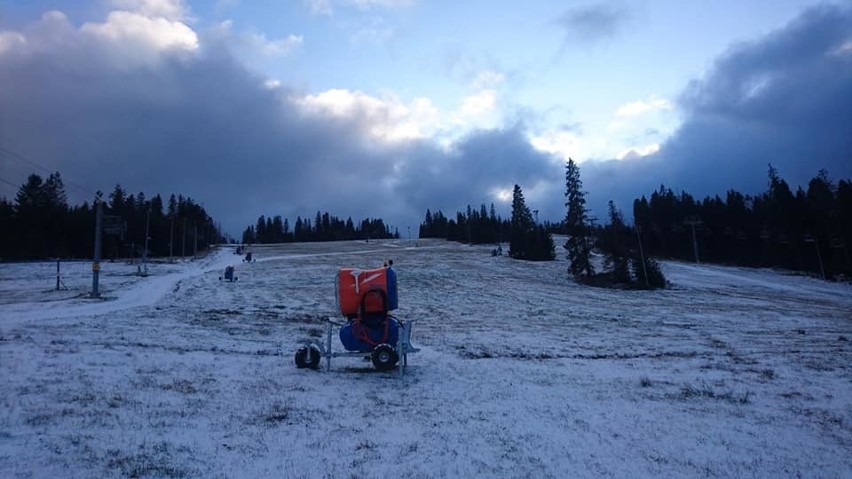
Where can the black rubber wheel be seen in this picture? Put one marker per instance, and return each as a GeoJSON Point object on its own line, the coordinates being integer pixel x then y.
{"type": "Point", "coordinates": [384, 357]}
{"type": "Point", "coordinates": [302, 360]}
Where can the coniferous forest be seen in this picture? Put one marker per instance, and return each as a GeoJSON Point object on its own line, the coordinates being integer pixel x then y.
{"type": "Point", "coordinates": [527, 239]}
{"type": "Point", "coordinates": [474, 227]}
{"type": "Point", "coordinates": [40, 224]}
{"type": "Point", "coordinates": [325, 227]}
{"type": "Point", "coordinates": [807, 230]}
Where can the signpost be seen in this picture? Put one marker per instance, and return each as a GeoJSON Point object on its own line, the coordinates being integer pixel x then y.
{"type": "Point", "coordinates": [96, 261]}
{"type": "Point", "coordinates": [109, 224]}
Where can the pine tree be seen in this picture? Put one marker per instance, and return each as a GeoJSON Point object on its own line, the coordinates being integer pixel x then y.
{"type": "Point", "coordinates": [613, 243]}
{"type": "Point", "coordinates": [544, 248]}
{"type": "Point", "coordinates": [575, 222]}
{"type": "Point", "coordinates": [117, 201]}
{"type": "Point", "coordinates": [7, 229]}
{"type": "Point", "coordinates": [54, 190]}
{"type": "Point", "coordinates": [173, 206]}
{"type": "Point", "coordinates": [655, 277]}
{"type": "Point", "coordinates": [249, 236]}
{"type": "Point", "coordinates": [30, 205]}
{"type": "Point", "coordinates": [522, 223]}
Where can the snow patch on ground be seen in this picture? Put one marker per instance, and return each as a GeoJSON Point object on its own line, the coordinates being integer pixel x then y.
{"type": "Point", "coordinates": [522, 373]}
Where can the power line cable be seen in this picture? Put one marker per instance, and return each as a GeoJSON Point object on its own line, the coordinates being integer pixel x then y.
{"type": "Point", "coordinates": [8, 183]}
{"type": "Point", "coordinates": [11, 154]}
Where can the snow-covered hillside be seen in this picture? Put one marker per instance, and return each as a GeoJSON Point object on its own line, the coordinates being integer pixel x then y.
{"type": "Point", "coordinates": [731, 372]}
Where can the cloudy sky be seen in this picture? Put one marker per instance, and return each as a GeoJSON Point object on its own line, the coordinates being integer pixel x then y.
{"type": "Point", "coordinates": [384, 108]}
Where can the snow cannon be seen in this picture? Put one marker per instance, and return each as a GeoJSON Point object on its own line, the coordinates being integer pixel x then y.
{"type": "Point", "coordinates": [364, 298]}
{"type": "Point", "coordinates": [352, 283]}
{"type": "Point", "coordinates": [372, 328]}
{"type": "Point", "coordinates": [229, 274]}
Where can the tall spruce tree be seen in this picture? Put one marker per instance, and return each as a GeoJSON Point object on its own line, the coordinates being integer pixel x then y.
{"type": "Point", "coordinates": [541, 245]}
{"type": "Point", "coordinates": [7, 229]}
{"type": "Point", "coordinates": [575, 222]}
{"type": "Point", "coordinates": [613, 243]}
{"type": "Point", "coordinates": [30, 205]}
{"type": "Point", "coordinates": [522, 223]}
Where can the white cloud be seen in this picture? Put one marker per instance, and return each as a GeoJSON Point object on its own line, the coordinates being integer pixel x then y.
{"type": "Point", "coordinates": [638, 152]}
{"type": "Point", "coordinates": [503, 195]}
{"type": "Point", "coordinates": [564, 144]}
{"type": "Point", "coordinates": [10, 40]}
{"type": "Point", "coordinates": [52, 31]}
{"type": "Point", "coordinates": [391, 119]}
{"type": "Point", "coordinates": [168, 9]}
{"type": "Point", "coordinates": [374, 30]}
{"type": "Point", "coordinates": [488, 80]}
{"type": "Point", "coordinates": [250, 45]}
{"type": "Point", "coordinates": [126, 39]}
{"type": "Point", "coordinates": [618, 125]}
{"type": "Point", "coordinates": [639, 107]}
{"type": "Point", "coordinates": [326, 7]}
{"type": "Point", "coordinates": [479, 103]}
{"type": "Point", "coordinates": [54, 16]}
{"type": "Point", "coordinates": [380, 3]}
{"type": "Point", "coordinates": [282, 46]}
{"type": "Point", "coordinates": [843, 49]}
{"type": "Point", "coordinates": [137, 30]}
{"type": "Point", "coordinates": [479, 109]}
{"type": "Point", "coordinates": [272, 84]}
{"type": "Point", "coordinates": [320, 7]}
{"type": "Point", "coordinates": [387, 119]}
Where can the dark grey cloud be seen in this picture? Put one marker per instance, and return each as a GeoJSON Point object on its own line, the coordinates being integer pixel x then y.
{"type": "Point", "coordinates": [590, 24]}
{"type": "Point", "coordinates": [477, 165]}
{"type": "Point", "coordinates": [784, 99]}
{"type": "Point", "coordinates": [205, 126]}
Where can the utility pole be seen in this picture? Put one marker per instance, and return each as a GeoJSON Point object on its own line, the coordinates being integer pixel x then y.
{"type": "Point", "coordinates": [96, 260]}
{"type": "Point", "coordinates": [642, 255]}
{"type": "Point", "coordinates": [812, 239]}
{"type": "Point", "coordinates": [183, 240]}
{"type": "Point", "coordinates": [536, 216]}
{"type": "Point", "coordinates": [145, 251]}
{"type": "Point", "coordinates": [171, 238]}
{"type": "Point", "coordinates": [409, 236]}
{"type": "Point", "coordinates": [692, 221]}
{"type": "Point", "coordinates": [591, 231]}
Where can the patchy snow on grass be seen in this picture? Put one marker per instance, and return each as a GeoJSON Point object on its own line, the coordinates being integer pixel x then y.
{"type": "Point", "coordinates": [730, 372]}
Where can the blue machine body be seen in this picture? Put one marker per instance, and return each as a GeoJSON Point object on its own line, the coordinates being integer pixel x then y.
{"type": "Point", "coordinates": [393, 298]}
{"type": "Point", "coordinates": [351, 335]}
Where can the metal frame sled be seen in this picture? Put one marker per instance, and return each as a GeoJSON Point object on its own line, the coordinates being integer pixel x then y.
{"type": "Point", "coordinates": [229, 275]}
{"type": "Point", "coordinates": [385, 357]}
{"type": "Point", "coordinates": [364, 299]}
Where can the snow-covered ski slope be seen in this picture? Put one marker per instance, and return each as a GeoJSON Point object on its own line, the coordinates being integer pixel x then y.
{"type": "Point", "coordinates": [731, 372]}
